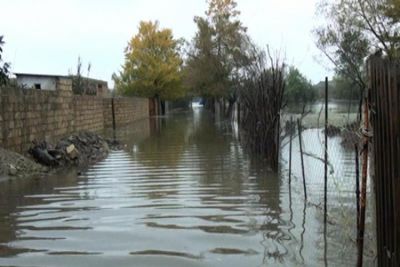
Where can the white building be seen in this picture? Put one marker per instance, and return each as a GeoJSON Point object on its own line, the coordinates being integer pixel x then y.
{"type": "Point", "coordinates": [49, 82]}
{"type": "Point", "coordinates": [37, 81]}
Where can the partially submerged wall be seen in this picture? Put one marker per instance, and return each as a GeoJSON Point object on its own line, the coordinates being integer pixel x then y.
{"type": "Point", "coordinates": [27, 115]}
{"type": "Point", "coordinates": [126, 110]}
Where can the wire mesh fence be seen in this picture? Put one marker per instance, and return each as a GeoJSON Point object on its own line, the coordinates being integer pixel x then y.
{"type": "Point", "coordinates": [344, 134]}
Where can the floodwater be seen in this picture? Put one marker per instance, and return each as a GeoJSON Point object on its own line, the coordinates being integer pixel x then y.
{"type": "Point", "coordinates": [334, 106]}
{"type": "Point", "coordinates": [184, 193]}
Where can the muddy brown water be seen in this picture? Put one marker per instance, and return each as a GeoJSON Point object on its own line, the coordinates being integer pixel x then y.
{"type": "Point", "coordinates": [184, 193]}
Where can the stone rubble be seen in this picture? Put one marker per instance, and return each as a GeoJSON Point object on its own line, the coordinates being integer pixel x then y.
{"type": "Point", "coordinates": [78, 150]}
{"type": "Point", "coordinates": [81, 150]}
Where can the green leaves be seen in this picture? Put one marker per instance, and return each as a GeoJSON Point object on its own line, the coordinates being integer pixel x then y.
{"type": "Point", "coordinates": [4, 66]}
{"type": "Point", "coordinates": [217, 55]}
{"type": "Point", "coordinates": [298, 88]}
{"type": "Point", "coordinates": [152, 65]}
{"type": "Point", "coordinates": [354, 29]}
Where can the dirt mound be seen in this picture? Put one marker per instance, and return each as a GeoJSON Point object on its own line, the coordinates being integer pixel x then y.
{"type": "Point", "coordinates": [14, 164]}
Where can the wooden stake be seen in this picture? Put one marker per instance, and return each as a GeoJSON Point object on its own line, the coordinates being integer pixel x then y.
{"type": "Point", "coordinates": [357, 188]}
{"type": "Point", "coordinates": [113, 113]}
{"type": "Point", "coordinates": [363, 197]}
{"type": "Point", "coordinates": [326, 152]}
{"type": "Point", "coordinates": [302, 159]}
{"type": "Point", "coordinates": [290, 150]}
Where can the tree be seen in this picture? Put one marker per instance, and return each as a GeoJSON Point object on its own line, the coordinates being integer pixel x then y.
{"type": "Point", "coordinates": [344, 88]}
{"type": "Point", "coordinates": [80, 84]}
{"type": "Point", "coordinates": [152, 65]}
{"type": "Point", "coordinates": [4, 66]}
{"type": "Point", "coordinates": [298, 88]}
{"type": "Point", "coordinates": [217, 56]}
{"type": "Point", "coordinates": [393, 10]}
{"type": "Point", "coordinates": [355, 29]}
{"type": "Point", "coordinates": [261, 102]}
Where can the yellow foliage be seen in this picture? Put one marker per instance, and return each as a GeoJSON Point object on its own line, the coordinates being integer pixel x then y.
{"type": "Point", "coordinates": [152, 64]}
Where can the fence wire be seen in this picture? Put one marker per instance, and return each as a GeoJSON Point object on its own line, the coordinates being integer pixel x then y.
{"type": "Point", "coordinates": [344, 133]}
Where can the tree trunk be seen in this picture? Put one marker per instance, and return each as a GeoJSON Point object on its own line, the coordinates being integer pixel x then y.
{"type": "Point", "coordinates": [229, 111]}
{"type": "Point", "coordinates": [158, 105]}
{"type": "Point", "coordinates": [162, 104]}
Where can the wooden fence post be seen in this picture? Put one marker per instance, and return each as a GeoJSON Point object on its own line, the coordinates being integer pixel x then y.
{"type": "Point", "coordinates": [290, 149]}
{"type": "Point", "coordinates": [326, 153]}
{"type": "Point", "coordinates": [302, 159]}
{"type": "Point", "coordinates": [363, 197]}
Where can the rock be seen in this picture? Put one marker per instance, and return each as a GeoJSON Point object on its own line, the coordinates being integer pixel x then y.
{"type": "Point", "coordinates": [12, 170]}
{"type": "Point", "coordinates": [72, 152]}
{"type": "Point", "coordinates": [83, 140]}
{"type": "Point", "coordinates": [55, 153]}
{"type": "Point", "coordinates": [80, 149]}
{"type": "Point", "coordinates": [43, 156]}
{"type": "Point", "coordinates": [70, 148]}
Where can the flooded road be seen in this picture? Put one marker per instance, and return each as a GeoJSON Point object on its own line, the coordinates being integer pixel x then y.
{"type": "Point", "coordinates": [184, 193]}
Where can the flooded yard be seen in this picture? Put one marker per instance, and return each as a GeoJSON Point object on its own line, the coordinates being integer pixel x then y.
{"type": "Point", "coordinates": [185, 193]}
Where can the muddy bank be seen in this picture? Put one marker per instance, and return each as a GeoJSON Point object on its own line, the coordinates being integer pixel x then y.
{"type": "Point", "coordinates": [75, 151]}
{"type": "Point", "coordinates": [349, 133]}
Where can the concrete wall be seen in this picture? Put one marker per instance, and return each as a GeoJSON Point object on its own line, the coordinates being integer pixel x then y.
{"type": "Point", "coordinates": [27, 115]}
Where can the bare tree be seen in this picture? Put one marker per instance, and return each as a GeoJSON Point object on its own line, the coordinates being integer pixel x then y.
{"type": "Point", "coordinates": [261, 101]}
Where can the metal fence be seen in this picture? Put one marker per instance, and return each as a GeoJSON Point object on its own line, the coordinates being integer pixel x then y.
{"type": "Point", "coordinates": [309, 146]}
{"type": "Point", "coordinates": [306, 152]}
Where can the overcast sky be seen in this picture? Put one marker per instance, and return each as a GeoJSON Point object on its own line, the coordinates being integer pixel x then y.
{"type": "Point", "coordinates": [47, 36]}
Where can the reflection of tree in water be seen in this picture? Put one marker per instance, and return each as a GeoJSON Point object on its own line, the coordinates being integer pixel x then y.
{"type": "Point", "coordinates": [245, 191]}
{"type": "Point", "coordinates": [161, 155]}
{"type": "Point", "coordinates": [227, 165]}
{"type": "Point", "coordinates": [166, 144]}
{"type": "Point", "coordinates": [220, 158]}
{"type": "Point", "coordinates": [274, 236]}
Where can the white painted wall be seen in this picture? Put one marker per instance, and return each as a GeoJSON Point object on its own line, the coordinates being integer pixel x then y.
{"type": "Point", "coordinates": [46, 83]}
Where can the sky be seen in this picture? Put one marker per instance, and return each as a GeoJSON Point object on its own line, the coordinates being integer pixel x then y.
{"type": "Point", "coordinates": [47, 36]}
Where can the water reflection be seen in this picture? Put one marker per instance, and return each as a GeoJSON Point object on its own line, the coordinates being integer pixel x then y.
{"type": "Point", "coordinates": [184, 193]}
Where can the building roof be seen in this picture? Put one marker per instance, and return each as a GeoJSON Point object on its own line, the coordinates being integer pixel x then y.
{"type": "Point", "coordinates": [20, 74]}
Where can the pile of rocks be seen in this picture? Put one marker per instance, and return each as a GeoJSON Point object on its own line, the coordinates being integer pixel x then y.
{"type": "Point", "coordinates": [78, 150]}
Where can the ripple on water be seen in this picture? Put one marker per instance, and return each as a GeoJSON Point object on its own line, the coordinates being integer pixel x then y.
{"type": "Point", "coordinates": [188, 196]}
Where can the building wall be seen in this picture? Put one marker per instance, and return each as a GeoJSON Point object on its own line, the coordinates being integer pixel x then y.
{"type": "Point", "coordinates": [47, 83]}
{"type": "Point", "coordinates": [27, 115]}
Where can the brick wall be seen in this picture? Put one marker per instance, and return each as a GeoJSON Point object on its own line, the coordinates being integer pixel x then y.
{"type": "Point", "coordinates": [26, 115]}
{"type": "Point", "coordinates": [88, 113]}
{"type": "Point", "coordinates": [126, 110]}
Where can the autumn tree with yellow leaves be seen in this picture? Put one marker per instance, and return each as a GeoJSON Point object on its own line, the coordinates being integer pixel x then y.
{"type": "Point", "coordinates": [152, 65]}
